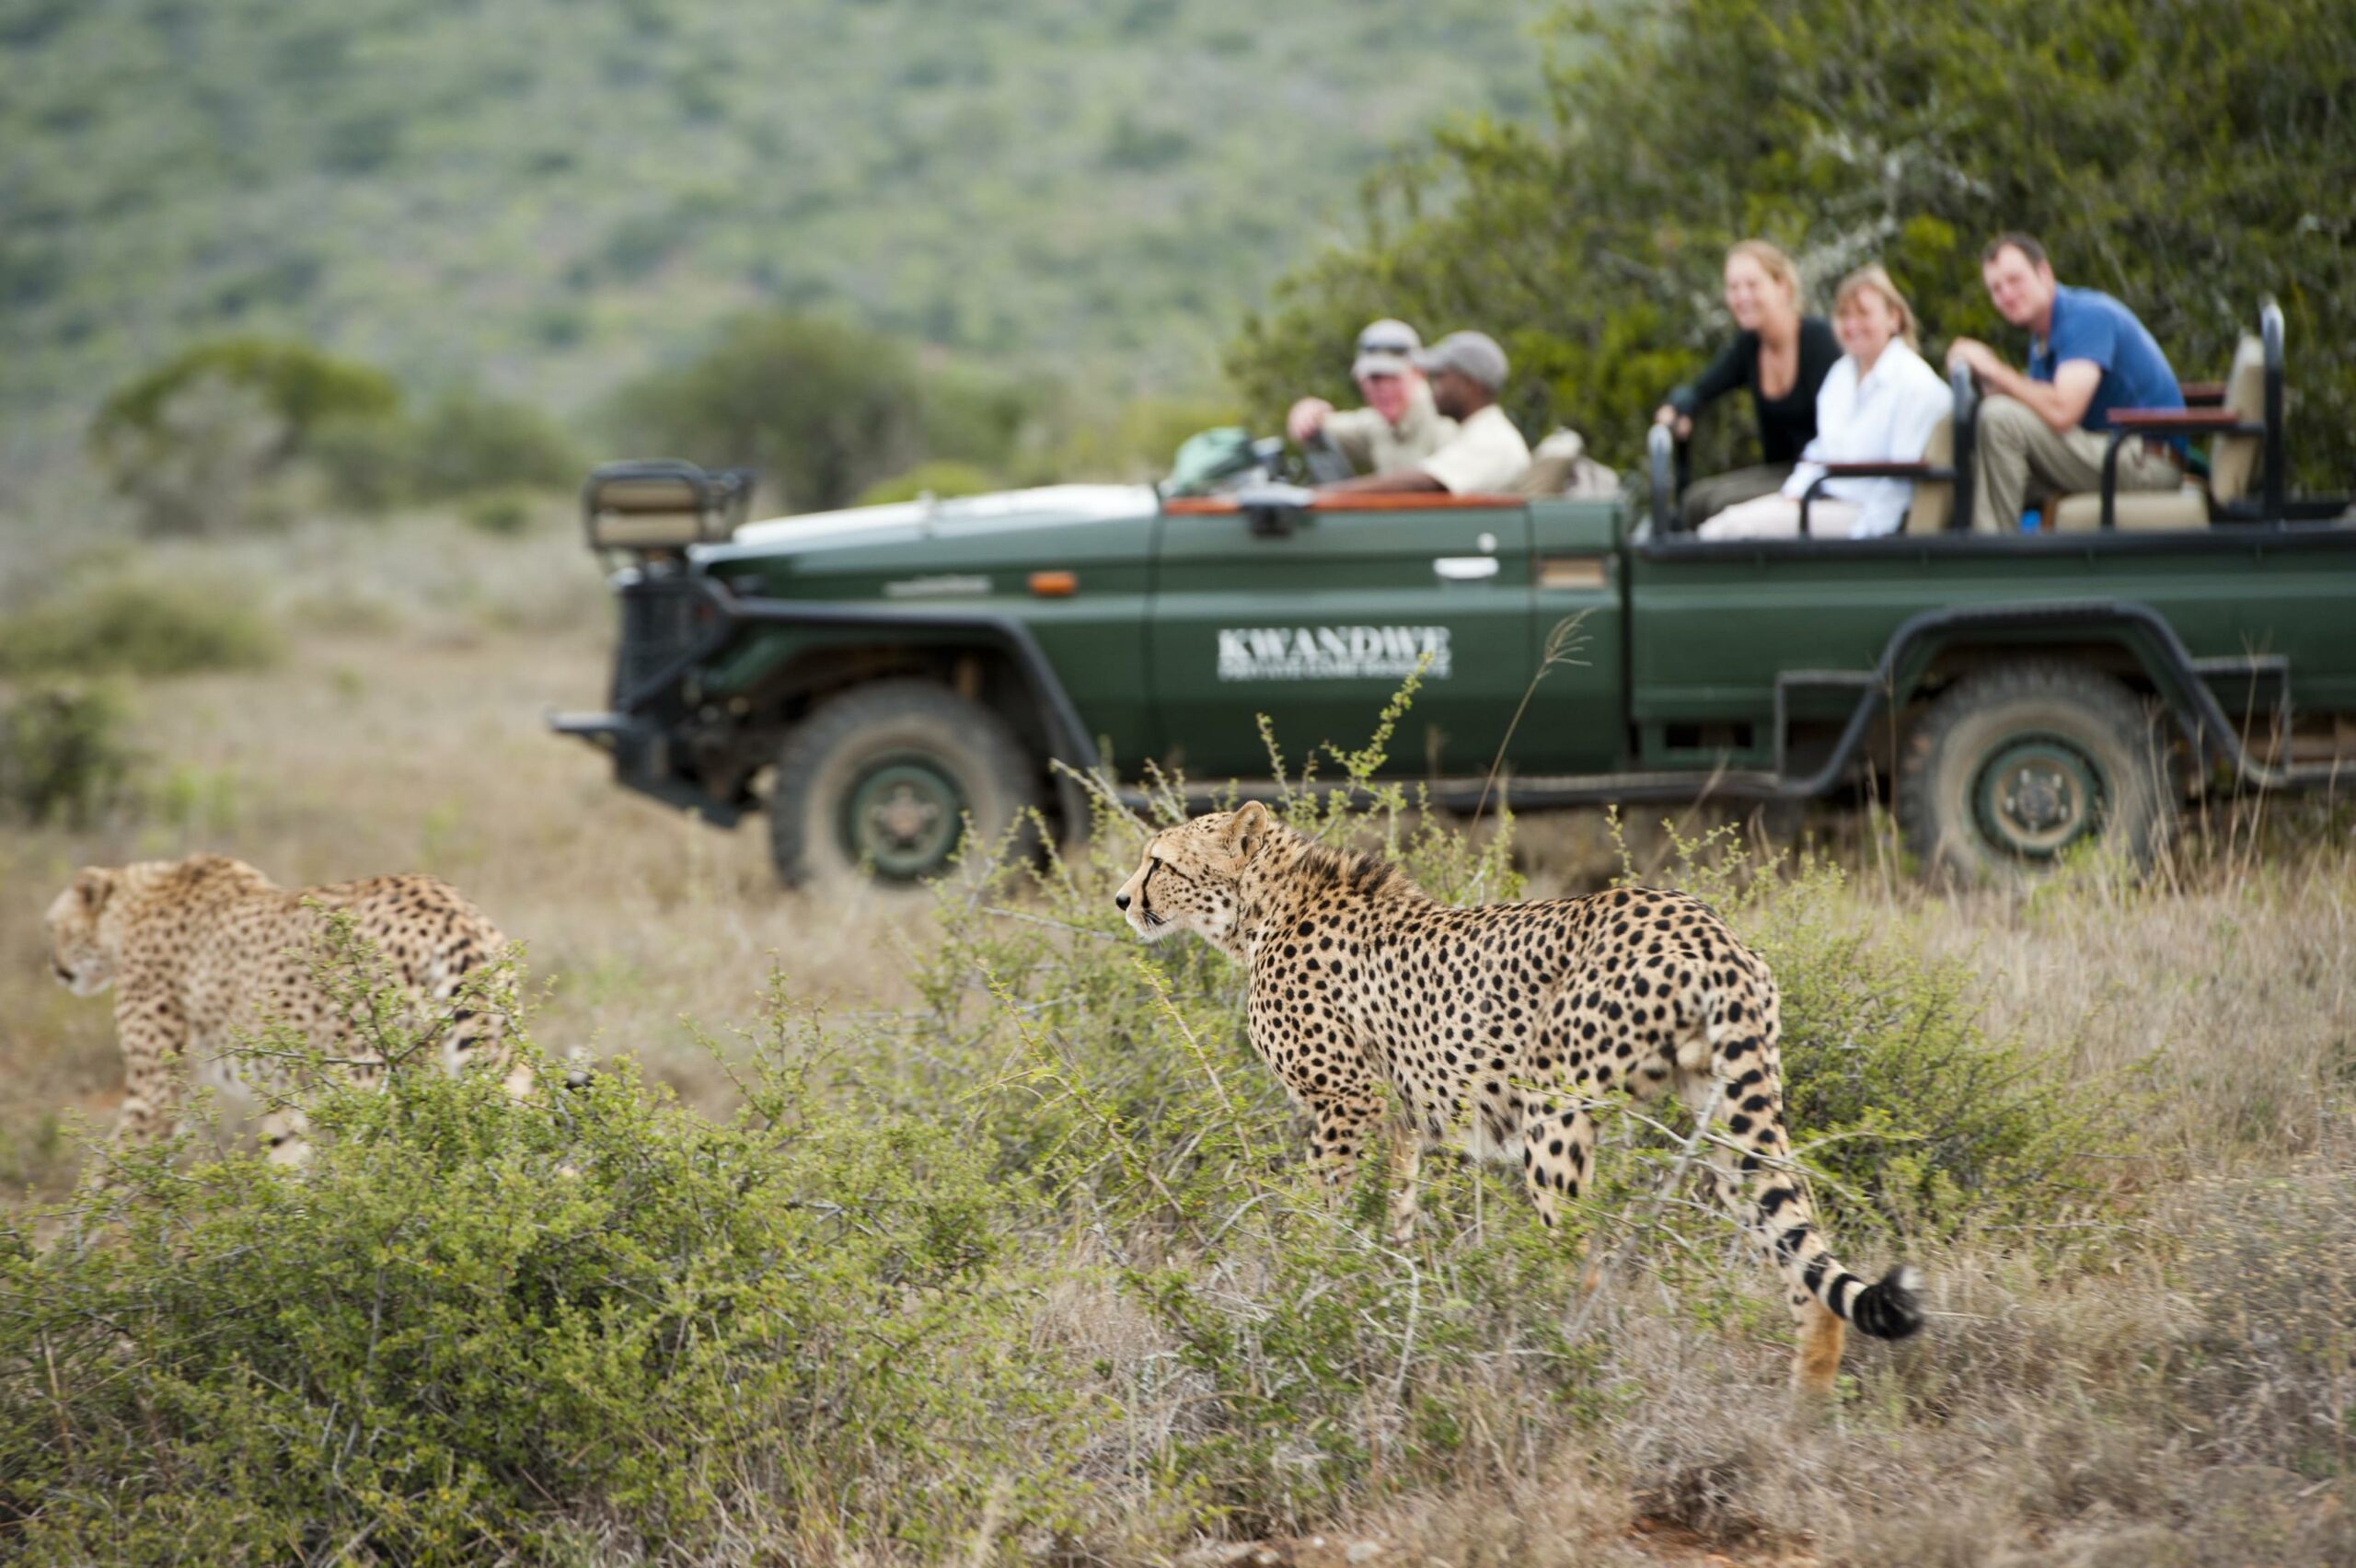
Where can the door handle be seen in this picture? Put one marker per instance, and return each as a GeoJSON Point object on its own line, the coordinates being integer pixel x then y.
{"type": "Point", "coordinates": [1464, 569]}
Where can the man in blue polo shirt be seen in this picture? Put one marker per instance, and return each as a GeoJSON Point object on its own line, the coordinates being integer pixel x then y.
{"type": "Point", "coordinates": [2087, 355]}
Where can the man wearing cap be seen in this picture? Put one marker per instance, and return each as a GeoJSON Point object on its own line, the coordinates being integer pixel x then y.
{"type": "Point", "coordinates": [1488, 455]}
{"type": "Point", "coordinates": [1399, 427]}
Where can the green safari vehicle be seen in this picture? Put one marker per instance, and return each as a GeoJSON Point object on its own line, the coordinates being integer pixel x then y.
{"type": "Point", "coordinates": [878, 679]}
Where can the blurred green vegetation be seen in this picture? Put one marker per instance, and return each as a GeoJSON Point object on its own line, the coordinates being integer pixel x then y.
{"type": "Point", "coordinates": [137, 626]}
{"type": "Point", "coordinates": [2188, 158]}
{"type": "Point", "coordinates": [547, 200]}
{"type": "Point", "coordinates": [63, 757]}
{"type": "Point", "coordinates": [941, 478]}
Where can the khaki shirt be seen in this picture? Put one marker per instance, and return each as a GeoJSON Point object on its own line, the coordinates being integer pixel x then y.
{"type": "Point", "coordinates": [1487, 458]}
{"type": "Point", "coordinates": [1374, 446]}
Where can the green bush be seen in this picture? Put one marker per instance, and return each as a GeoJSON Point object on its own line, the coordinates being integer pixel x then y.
{"type": "Point", "coordinates": [941, 477]}
{"type": "Point", "coordinates": [503, 513]}
{"type": "Point", "coordinates": [1895, 1093]}
{"type": "Point", "coordinates": [63, 753]}
{"type": "Point", "coordinates": [465, 443]}
{"type": "Point", "coordinates": [822, 410]}
{"type": "Point", "coordinates": [135, 627]}
{"type": "Point", "coordinates": [189, 440]}
{"type": "Point", "coordinates": [475, 1329]}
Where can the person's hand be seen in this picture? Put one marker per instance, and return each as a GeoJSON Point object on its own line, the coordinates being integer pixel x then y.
{"type": "Point", "coordinates": [1679, 426]}
{"type": "Point", "coordinates": [1972, 355]}
{"type": "Point", "coordinates": [1306, 417]}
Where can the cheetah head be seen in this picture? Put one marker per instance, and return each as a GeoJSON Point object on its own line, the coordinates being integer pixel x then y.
{"type": "Point", "coordinates": [79, 950]}
{"type": "Point", "coordinates": [1187, 880]}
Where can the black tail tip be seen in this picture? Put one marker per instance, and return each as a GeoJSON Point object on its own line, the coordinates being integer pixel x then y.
{"type": "Point", "coordinates": [1892, 1310]}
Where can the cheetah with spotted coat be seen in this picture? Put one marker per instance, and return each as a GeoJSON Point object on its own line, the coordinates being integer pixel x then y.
{"type": "Point", "coordinates": [1492, 1027]}
{"type": "Point", "coordinates": [202, 950]}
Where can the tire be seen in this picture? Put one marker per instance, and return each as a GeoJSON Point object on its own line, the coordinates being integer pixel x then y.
{"type": "Point", "coordinates": [879, 781]}
{"type": "Point", "coordinates": [2014, 768]}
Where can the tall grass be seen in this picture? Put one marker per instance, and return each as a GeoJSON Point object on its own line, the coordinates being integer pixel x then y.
{"type": "Point", "coordinates": [974, 1233]}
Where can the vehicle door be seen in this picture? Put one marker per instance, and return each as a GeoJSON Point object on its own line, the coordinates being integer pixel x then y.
{"type": "Point", "coordinates": [1314, 616]}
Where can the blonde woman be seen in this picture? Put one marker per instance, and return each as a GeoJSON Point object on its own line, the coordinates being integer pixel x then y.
{"type": "Point", "coordinates": [1779, 355]}
{"type": "Point", "coordinates": [1879, 404]}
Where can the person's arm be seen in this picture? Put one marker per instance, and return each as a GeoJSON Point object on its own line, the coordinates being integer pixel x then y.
{"type": "Point", "coordinates": [1723, 375]}
{"type": "Point", "coordinates": [2060, 402]}
{"type": "Point", "coordinates": [1352, 433]}
{"type": "Point", "coordinates": [1307, 417]}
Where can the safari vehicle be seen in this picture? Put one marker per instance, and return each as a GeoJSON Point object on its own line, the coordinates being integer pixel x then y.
{"type": "Point", "coordinates": [875, 678]}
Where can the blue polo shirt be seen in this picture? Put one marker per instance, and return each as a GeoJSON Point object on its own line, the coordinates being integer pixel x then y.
{"type": "Point", "coordinates": [2090, 324]}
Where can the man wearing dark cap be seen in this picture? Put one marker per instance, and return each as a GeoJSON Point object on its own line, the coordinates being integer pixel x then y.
{"type": "Point", "coordinates": [1399, 427]}
{"type": "Point", "coordinates": [1488, 455]}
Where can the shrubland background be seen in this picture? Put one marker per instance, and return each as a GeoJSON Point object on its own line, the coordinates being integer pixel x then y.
{"type": "Point", "coordinates": [968, 1231]}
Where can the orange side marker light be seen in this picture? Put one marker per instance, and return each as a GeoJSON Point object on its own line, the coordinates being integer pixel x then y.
{"type": "Point", "coordinates": [1055, 584]}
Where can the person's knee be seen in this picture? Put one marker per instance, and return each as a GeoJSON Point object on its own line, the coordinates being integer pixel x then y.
{"type": "Point", "coordinates": [2001, 416]}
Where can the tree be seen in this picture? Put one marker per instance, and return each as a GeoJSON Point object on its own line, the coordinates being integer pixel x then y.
{"type": "Point", "coordinates": [822, 410]}
{"type": "Point", "coordinates": [2188, 156]}
{"type": "Point", "coordinates": [188, 440]}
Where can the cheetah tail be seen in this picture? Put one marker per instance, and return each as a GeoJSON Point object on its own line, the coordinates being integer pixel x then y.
{"type": "Point", "coordinates": [1892, 1310]}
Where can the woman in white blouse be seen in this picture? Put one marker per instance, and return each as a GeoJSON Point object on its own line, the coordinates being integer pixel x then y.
{"type": "Point", "coordinates": [1879, 405]}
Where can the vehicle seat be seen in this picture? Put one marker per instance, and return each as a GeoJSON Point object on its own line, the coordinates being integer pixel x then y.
{"type": "Point", "coordinates": [2233, 460]}
{"type": "Point", "coordinates": [1560, 466]}
{"type": "Point", "coordinates": [1933, 504]}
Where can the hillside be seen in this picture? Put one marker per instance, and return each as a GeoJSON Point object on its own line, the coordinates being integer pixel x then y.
{"type": "Point", "coordinates": [545, 198]}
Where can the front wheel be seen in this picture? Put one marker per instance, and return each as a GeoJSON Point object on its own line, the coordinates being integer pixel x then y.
{"type": "Point", "coordinates": [884, 778]}
{"type": "Point", "coordinates": [2016, 767]}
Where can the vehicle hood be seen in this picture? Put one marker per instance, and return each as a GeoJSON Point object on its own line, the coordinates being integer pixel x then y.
{"type": "Point", "coordinates": [933, 522]}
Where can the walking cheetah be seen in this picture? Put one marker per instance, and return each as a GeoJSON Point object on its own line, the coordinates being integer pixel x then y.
{"type": "Point", "coordinates": [1492, 1026]}
{"type": "Point", "coordinates": [204, 950]}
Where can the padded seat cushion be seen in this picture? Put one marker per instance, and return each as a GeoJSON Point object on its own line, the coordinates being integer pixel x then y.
{"type": "Point", "coordinates": [2145, 512]}
{"type": "Point", "coordinates": [1934, 502]}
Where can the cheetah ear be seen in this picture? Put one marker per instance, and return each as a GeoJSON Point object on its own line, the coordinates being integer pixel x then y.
{"type": "Point", "coordinates": [94, 884]}
{"type": "Point", "coordinates": [1247, 828]}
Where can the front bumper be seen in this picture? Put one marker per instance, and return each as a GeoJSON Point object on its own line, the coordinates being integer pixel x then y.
{"type": "Point", "coordinates": [641, 754]}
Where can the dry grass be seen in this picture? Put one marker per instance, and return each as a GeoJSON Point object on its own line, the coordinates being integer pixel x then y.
{"type": "Point", "coordinates": [2186, 1399]}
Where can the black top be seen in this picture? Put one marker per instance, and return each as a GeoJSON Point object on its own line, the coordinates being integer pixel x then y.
{"type": "Point", "coordinates": [1786, 424]}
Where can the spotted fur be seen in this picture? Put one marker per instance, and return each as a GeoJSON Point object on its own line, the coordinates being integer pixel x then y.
{"type": "Point", "coordinates": [1492, 1027]}
{"type": "Point", "coordinates": [203, 950]}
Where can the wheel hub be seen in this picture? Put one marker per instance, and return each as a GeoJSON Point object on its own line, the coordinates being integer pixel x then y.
{"type": "Point", "coordinates": [2036, 796]}
{"type": "Point", "coordinates": [903, 815]}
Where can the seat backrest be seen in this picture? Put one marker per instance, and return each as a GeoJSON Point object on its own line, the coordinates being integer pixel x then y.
{"type": "Point", "coordinates": [2233, 459]}
{"type": "Point", "coordinates": [1933, 502]}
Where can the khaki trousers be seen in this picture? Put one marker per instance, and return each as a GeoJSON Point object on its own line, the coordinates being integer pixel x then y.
{"type": "Point", "coordinates": [2016, 448]}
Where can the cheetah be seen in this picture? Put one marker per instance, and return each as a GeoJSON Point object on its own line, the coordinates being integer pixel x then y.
{"type": "Point", "coordinates": [204, 950]}
{"type": "Point", "coordinates": [1493, 1026]}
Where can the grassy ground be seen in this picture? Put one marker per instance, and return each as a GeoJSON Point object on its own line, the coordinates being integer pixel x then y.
{"type": "Point", "coordinates": [2164, 1374]}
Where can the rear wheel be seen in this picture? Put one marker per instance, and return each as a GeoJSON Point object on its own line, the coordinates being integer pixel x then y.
{"type": "Point", "coordinates": [2016, 767]}
{"type": "Point", "coordinates": [883, 779]}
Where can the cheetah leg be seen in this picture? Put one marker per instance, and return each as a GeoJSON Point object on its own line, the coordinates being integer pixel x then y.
{"type": "Point", "coordinates": [1557, 1148]}
{"type": "Point", "coordinates": [1339, 1133]}
{"type": "Point", "coordinates": [1407, 1161]}
{"type": "Point", "coordinates": [152, 1036]}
